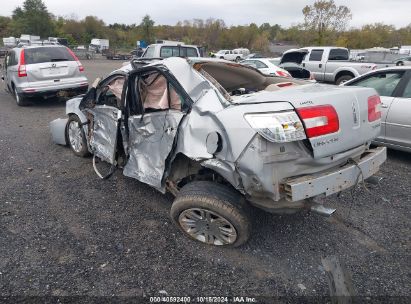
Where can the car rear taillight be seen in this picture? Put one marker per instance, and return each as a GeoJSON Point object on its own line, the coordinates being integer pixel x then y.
{"type": "Point", "coordinates": [374, 108]}
{"type": "Point", "coordinates": [21, 70]}
{"type": "Point", "coordinates": [283, 74]}
{"type": "Point", "coordinates": [319, 120]}
{"type": "Point", "coordinates": [80, 66]}
{"type": "Point", "coordinates": [279, 127]}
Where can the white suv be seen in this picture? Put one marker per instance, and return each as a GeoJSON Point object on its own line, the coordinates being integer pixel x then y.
{"type": "Point", "coordinates": [44, 71]}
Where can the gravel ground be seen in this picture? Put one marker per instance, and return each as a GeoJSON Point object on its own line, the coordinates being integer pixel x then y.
{"type": "Point", "coordinates": [65, 232]}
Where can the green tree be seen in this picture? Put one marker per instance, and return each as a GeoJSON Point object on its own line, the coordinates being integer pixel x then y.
{"type": "Point", "coordinates": [5, 26]}
{"type": "Point", "coordinates": [326, 17]}
{"type": "Point", "coordinates": [33, 19]}
{"type": "Point", "coordinates": [147, 26]}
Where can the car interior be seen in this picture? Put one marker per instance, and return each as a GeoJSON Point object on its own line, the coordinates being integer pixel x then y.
{"type": "Point", "coordinates": [157, 93]}
{"type": "Point", "coordinates": [235, 79]}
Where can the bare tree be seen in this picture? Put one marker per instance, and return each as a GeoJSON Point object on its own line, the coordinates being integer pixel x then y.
{"type": "Point", "coordinates": [325, 16]}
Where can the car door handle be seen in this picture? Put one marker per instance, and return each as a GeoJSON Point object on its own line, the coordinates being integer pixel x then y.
{"type": "Point", "coordinates": [320, 65]}
{"type": "Point", "coordinates": [383, 105]}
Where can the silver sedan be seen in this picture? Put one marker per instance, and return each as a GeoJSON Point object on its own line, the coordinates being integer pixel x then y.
{"type": "Point", "coordinates": [394, 86]}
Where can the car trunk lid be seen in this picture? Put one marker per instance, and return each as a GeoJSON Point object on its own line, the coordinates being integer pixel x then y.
{"type": "Point", "coordinates": [351, 106]}
{"type": "Point", "coordinates": [296, 56]}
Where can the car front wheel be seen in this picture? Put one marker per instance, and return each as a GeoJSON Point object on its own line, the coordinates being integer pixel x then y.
{"type": "Point", "coordinates": [76, 137]}
{"type": "Point", "coordinates": [212, 213]}
{"type": "Point", "coordinates": [400, 63]}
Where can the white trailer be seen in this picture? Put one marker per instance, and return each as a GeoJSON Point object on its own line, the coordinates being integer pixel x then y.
{"type": "Point", "coordinates": [99, 45]}
{"type": "Point", "coordinates": [28, 39]}
{"type": "Point", "coordinates": [9, 42]}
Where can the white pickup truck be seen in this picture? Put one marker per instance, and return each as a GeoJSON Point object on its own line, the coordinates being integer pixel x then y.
{"type": "Point", "coordinates": [328, 64]}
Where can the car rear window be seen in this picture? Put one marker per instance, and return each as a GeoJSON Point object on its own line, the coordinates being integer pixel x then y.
{"type": "Point", "coordinates": [316, 55]}
{"type": "Point", "coordinates": [338, 54]}
{"type": "Point", "coordinates": [47, 54]}
{"type": "Point", "coordinates": [176, 51]}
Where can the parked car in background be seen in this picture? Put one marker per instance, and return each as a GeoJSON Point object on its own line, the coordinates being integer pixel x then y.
{"type": "Point", "coordinates": [168, 49]}
{"type": "Point", "coordinates": [43, 71]}
{"type": "Point", "coordinates": [254, 55]}
{"type": "Point", "coordinates": [393, 84]}
{"type": "Point", "coordinates": [243, 51]}
{"type": "Point", "coordinates": [403, 61]}
{"type": "Point", "coordinates": [222, 137]}
{"type": "Point", "coordinates": [266, 66]}
{"type": "Point", "coordinates": [229, 55]}
{"type": "Point", "coordinates": [328, 64]}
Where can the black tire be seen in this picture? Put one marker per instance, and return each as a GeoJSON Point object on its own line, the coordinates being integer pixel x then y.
{"type": "Point", "coordinates": [83, 150]}
{"type": "Point", "coordinates": [343, 78]}
{"type": "Point", "coordinates": [221, 57]}
{"type": "Point", "coordinates": [400, 63]}
{"type": "Point", "coordinates": [20, 100]}
{"type": "Point", "coordinates": [218, 199]}
{"type": "Point", "coordinates": [238, 59]}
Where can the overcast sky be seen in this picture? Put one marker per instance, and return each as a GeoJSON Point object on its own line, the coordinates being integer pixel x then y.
{"type": "Point", "coordinates": [233, 12]}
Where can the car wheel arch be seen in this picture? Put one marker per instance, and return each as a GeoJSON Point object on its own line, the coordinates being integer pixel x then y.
{"type": "Point", "coordinates": [343, 74]}
{"type": "Point", "coordinates": [184, 170]}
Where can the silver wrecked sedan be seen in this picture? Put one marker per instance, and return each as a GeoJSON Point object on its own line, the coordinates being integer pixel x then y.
{"type": "Point", "coordinates": [394, 86]}
{"type": "Point", "coordinates": [222, 137]}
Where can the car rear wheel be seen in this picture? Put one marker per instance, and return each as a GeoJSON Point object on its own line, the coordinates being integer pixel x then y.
{"type": "Point", "coordinates": [212, 213]}
{"type": "Point", "coordinates": [76, 137]}
{"type": "Point", "coordinates": [20, 100]}
{"type": "Point", "coordinates": [343, 79]}
{"type": "Point", "coordinates": [400, 63]}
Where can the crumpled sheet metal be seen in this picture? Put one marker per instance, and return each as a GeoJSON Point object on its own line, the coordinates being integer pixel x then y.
{"type": "Point", "coordinates": [103, 141]}
{"type": "Point", "coordinates": [151, 141]}
{"type": "Point", "coordinates": [192, 82]}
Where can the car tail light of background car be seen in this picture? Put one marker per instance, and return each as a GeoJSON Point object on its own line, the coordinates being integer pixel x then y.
{"type": "Point", "coordinates": [374, 108]}
{"type": "Point", "coordinates": [282, 74]}
{"type": "Point", "coordinates": [80, 66]}
{"type": "Point", "coordinates": [277, 127]}
{"type": "Point", "coordinates": [319, 120]}
{"type": "Point", "coordinates": [21, 70]}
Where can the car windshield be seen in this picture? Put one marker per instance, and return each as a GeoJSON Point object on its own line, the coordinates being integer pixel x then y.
{"type": "Point", "coordinates": [47, 54]}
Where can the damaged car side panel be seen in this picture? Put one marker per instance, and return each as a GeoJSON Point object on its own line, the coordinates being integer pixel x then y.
{"type": "Point", "coordinates": [151, 139]}
{"type": "Point", "coordinates": [104, 131]}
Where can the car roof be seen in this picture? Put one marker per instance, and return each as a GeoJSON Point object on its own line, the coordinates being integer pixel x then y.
{"type": "Point", "coordinates": [173, 44]}
{"type": "Point", "coordinates": [38, 46]}
{"type": "Point", "coordinates": [390, 68]}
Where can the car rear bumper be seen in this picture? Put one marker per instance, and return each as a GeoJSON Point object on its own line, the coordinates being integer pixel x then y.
{"type": "Point", "coordinates": [334, 181]}
{"type": "Point", "coordinates": [61, 91]}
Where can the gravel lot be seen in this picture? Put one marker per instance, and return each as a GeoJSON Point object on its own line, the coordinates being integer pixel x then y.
{"type": "Point", "coordinates": [65, 232]}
